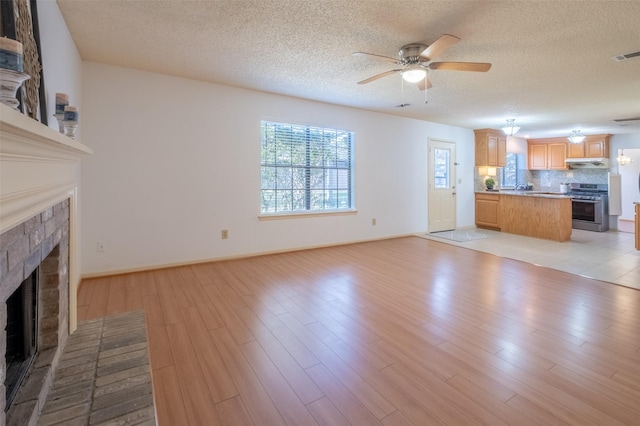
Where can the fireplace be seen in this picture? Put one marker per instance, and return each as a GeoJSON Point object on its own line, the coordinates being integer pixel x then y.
{"type": "Point", "coordinates": [39, 187]}
{"type": "Point", "coordinates": [22, 333]}
{"type": "Point", "coordinates": [34, 320]}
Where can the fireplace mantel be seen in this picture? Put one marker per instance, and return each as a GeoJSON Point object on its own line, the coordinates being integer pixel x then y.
{"type": "Point", "coordinates": [39, 168]}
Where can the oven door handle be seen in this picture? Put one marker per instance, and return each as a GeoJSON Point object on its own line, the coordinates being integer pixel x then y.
{"type": "Point", "coordinates": [586, 201]}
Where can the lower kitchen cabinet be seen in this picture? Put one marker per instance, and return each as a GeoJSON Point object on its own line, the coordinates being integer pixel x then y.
{"type": "Point", "coordinates": [536, 216]}
{"type": "Point", "coordinates": [530, 214]}
{"type": "Point", "coordinates": [488, 210]}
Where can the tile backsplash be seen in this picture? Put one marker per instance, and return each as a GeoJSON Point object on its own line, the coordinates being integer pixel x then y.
{"type": "Point", "coordinates": [549, 180]}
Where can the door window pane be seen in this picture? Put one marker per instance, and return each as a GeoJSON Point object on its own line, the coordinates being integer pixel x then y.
{"type": "Point", "coordinates": [441, 172]}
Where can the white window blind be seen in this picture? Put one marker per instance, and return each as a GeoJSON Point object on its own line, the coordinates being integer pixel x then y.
{"type": "Point", "coordinates": [305, 168]}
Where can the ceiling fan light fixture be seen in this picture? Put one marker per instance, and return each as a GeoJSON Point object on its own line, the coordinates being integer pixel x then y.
{"type": "Point", "coordinates": [510, 129]}
{"type": "Point", "coordinates": [414, 73]}
{"type": "Point", "coordinates": [576, 137]}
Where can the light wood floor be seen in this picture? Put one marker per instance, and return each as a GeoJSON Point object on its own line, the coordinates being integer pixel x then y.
{"type": "Point", "coordinates": [394, 332]}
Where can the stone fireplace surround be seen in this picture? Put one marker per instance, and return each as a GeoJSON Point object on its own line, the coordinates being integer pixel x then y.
{"type": "Point", "coordinates": [39, 195]}
{"type": "Point", "coordinates": [42, 240]}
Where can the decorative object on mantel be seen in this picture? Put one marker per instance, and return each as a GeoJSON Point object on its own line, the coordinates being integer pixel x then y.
{"type": "Point", "coordinates": [70, 121]}
{"type": "Point", "coordinates": [62, 100]}
{"type": "Point", "coordinates": [32, 66]}
{"type": "Point", "coordinates": [11, 57]}
{"type": "Point", "coordinates": [622, 159]}
{"type": "Point", "coordinates": [576, 137]}
{"type": "Point", "coordinates": [10, 82]}
{"type": "Point", "coordinates": [11, 71]}
{"type": "Point", "coordinates": [510, 129]}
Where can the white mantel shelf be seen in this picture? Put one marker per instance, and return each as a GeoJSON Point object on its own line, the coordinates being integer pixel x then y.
{"type": "Point", "coordinates": [39, 167]}
{"type": "Point", "coordinates": [20, 126]}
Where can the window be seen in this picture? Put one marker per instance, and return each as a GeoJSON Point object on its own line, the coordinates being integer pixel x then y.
{"type": "Point", "coordinates": [441, 176]}
{"type": "Point", "coordinates": [305, 168]}
{"type": "Point", "coordinates": [509, 176]}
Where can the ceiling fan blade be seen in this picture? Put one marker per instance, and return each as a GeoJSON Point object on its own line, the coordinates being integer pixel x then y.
{"type": "Point", "coordinates": [375, 77]}
{"type": "Point", "coordinates": [378, 57]}
{"type": "Point", "coordinates": [423, 86]}
{"type": "Point", "coordinates": [438, 47]}
{"type": "Point", "coordinates": [460, 66]}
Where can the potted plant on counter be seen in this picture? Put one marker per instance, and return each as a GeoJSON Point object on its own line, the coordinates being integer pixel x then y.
{"type": "Point", "coordinates": [490, 183]}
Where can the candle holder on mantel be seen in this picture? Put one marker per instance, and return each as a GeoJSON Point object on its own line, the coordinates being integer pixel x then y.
{"type": "Point", "coordinates": [60, 118]}
{"type": "Point", "coordinates": [10, 82]}
{"type": "Point", "coordinates": [70, 121]}
{"type": "Point", "coordinates": [70, 127]}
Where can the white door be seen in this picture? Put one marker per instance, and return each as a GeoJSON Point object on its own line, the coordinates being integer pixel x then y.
{"type": "Point", "coordinates": [442, 186]}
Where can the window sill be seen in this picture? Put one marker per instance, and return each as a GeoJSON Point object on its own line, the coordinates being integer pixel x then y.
{"type": "Point", "coordinates": [298, 215]}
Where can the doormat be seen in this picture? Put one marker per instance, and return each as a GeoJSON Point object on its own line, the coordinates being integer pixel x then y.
{"type": "Point", "coordinates": [459, 236]}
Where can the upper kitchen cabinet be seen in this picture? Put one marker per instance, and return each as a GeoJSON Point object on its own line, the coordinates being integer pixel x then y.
{"type": "Point", "coordinates": [547, 154]}
{"type": "Point", "coordinates": [491, 148]}
{"type": "Point", "coordinates": [593, 146]}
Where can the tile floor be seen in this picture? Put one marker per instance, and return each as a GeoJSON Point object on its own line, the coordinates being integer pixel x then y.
{"type": "Point", "coordinates": [608, 256]}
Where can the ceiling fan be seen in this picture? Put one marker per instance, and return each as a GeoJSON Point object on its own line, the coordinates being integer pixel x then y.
{"type": "Point", "coordinates": [416, 58]}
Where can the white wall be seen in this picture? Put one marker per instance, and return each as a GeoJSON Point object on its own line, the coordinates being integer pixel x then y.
{"type": "Point", "coordinates": [629, 140]}
{"type": "Point", "coordinates": [629, 191]}
{"type": "Point", "coordinates": [517, 145]}
{"type": "Point", "coordinates": [61, 62]}
{"type": "Point", "coordinates": [178, 160]}
{"type": "Point", "coordinates": [62, 72]}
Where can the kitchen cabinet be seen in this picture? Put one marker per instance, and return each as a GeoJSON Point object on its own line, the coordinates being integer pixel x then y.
{"type": "Point", "coordinates": [538, 156]}
{"type": "Point", "coordinates": [593, 146]}
{"type": "Point", "coordinates": [575, 150]}
{"type": "Point", "coordinates": [547, 155]}
{"type": "Point", "coordinates": [596, 148]}
{"type": "Point", "coordinates": [539, 216]}
{"type": "Point", "coordinates": [488, 211]}
{"type": "Point", "coordinates": [557, 155]}
{"type": "Point", "coordinates": [491, 148]}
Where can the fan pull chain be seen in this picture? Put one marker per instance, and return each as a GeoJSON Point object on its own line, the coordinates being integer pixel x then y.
{"type": "Point", "coordinates": [426, 86]}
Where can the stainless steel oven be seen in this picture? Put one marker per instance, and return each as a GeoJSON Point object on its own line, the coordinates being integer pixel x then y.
{"type": "Point", "coordinates": [590, 206]}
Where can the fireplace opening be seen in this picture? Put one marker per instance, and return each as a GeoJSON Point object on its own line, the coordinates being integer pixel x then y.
{"type": "Point", "coordinates": [22, 334]}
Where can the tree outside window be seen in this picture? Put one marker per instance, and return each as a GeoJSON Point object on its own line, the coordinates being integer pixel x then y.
{"type": "Point", "coordinates": [305, 168]}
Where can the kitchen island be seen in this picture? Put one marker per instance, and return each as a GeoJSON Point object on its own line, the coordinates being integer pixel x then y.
{"type": "Point", "coordinates": [536, 214]}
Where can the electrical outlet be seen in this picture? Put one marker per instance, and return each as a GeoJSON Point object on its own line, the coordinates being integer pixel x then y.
{"type": "Point", "coordinates": [373, 222]}
{"type": "Point", "coordinates": [224, 234]}
{"type": "Point", "coordinates": [100, 247]}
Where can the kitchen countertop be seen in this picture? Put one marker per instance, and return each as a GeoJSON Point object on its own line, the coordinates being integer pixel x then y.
{"type": "Point", "coordinates": [541, 194]}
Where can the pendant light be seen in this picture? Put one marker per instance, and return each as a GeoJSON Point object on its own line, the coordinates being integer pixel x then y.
{"type": "Point", "coordinates": [576, 137]}
{"type": "Point", "coordinates": [622, 159]}
{"type": "Point", "coordinates": [510, 129]}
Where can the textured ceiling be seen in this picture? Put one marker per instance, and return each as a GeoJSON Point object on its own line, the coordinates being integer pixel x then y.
{"type": "Point", "coordinates": [552, 68]}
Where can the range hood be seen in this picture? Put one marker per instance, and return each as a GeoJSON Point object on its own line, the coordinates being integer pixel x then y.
{"type": "Point", "coordinates": [584, 163]}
